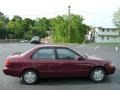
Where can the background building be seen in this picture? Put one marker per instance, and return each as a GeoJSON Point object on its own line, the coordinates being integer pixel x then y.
{"type": "Point", "coordinates": [106, 35]}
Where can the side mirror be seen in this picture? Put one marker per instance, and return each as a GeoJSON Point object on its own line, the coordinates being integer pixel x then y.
{"type": "Point", "coordinates": [78, 58]}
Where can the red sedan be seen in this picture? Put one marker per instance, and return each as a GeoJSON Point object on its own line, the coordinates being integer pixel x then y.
{"type": "Point", "coordinates": [55, 61]}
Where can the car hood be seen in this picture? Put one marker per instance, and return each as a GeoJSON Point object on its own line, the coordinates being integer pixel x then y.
{"type": "Point", "coordinates": [97, 59]}
{"type": "Point", "coordinates": [94, 58]}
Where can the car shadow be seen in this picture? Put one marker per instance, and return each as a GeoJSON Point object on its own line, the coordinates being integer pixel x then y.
{"type": "Point", "coordinates": [110, 79]}
{"type": "Point", "coordinates": [69, 81]}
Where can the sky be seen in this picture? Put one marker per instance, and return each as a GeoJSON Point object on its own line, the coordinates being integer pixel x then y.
{"type": "Point", "coordinates": [98, 13]}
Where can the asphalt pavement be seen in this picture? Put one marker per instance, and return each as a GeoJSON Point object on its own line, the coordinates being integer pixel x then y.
{"type": "Point", "coordinates": [112, 82]}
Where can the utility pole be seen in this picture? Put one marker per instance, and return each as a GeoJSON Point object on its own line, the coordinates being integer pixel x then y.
{"type": "Point", "coordinates": [69, 21]}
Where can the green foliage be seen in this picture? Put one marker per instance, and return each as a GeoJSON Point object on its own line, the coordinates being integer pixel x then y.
{"type": "Point", "coordinates": [2, 30]}
{"type": "Point", "coordinates": [42, 23]}
{"type": "Point", "coordinates": [37, 32]}
{"type": "Point", "coordinates": [3, 33]}
{"type": "Point", "coordinates": [18, 28]}
{"type": "Point", "coordinates": [26, 24]}
{"type": "Point", "coordinates": [17, 18]}
{"type": "Point", "coordinates": [60, 29]}
{"type": "Point", "coordinates": [116, 18]}
{"type": "Point", "coordinates": [3, 18]}
{"type": "Point", "coordinates": [15, 28]}
{"type": "Point", "coordinates": [1, 24]}
{"type": "Point", "coordinates": [28, 35]}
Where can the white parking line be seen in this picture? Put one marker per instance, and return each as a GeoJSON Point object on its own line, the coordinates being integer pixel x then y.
{"type": "Point", "coordinates": [116, 48]}
{"type": "Point", "coordinates": [96, 47]}
{"type": "Point", "coordinates": [79, 46]}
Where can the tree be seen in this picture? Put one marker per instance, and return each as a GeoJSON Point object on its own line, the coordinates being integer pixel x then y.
{"type": "Point", "coordinates": [1, 24]}
{"type": "Point", "coordinates": [17, 18]}
{"type": "Point", "coordinates": [27, 24]}
{"type": "Point", "coordinates": [20, 28]}
{"type": "Point", "coordinates": [43, 23]}
{"type": "Point", "coordinates": [15, 28]}
{"type": "Point", "coordinates": [2, 30]}
{"type": "Point", "coordinates": [116, 18]}
{"type": "Point", "coordinates": [60, 29]}
{"type": "Point", "coordinates": [3, 27]}
{"type": "Point", "coordinates": [37, 32]}
{"type": "Point", "coordinates": [3, 18]}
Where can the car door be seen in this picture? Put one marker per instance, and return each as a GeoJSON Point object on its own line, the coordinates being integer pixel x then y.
{"type": "Point", "coordinates": [44, 61]}
{"type": "Point", "coordinates": [69, 66]}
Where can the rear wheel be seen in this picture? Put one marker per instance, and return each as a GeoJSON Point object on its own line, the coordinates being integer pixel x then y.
{"type": "Point", "coordinates": [97, 74]}
{"type": "Point", "coordinates": [29, 77]}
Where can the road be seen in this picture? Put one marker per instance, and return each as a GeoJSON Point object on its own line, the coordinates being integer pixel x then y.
{"type": "Point", "coordinates": [112, 82]}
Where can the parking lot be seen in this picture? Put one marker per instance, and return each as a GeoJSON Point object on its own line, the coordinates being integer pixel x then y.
{"type": "Point", "coordinates": [112, 82]}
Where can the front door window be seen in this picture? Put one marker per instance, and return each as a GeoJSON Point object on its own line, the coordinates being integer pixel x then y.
{"type": "Point", "coordinates": [66, 54]}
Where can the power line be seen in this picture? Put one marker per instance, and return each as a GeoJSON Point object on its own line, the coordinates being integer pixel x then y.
{"type": "Point", "coordinates": [93, 13]}
{"type": "Point", "coordinates": [64, 12]}
{"type": "Point", "coordinates": [69, 22]}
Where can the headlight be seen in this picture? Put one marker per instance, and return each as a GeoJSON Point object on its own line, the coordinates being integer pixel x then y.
{"type": "Point", "coordinates": [109, 65]}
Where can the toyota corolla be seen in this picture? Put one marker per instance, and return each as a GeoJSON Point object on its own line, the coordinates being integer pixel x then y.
{"type": "Point", "coordinates": [55, 61]}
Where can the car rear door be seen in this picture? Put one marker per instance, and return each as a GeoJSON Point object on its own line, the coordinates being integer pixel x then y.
{"type": "Point", "coordinates": [44, 61]}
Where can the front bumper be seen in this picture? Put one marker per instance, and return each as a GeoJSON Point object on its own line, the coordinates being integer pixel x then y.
{"type": "Point", "coordinates": [111, 70]}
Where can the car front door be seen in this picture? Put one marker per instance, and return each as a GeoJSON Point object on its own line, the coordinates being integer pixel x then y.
{"type": "Point", "coordinates": [69, 66]}
{"type": "Point", "coordinates": [44, 61]}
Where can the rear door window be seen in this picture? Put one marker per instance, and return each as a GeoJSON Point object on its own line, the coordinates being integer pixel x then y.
{"type": "Point", "coordinates": [44, 53]}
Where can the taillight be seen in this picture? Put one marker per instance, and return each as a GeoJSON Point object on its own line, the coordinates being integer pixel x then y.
{"type": "Point", "coordinates": [7, 63]}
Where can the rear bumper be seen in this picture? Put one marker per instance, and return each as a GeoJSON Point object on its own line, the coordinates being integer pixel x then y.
{"type": "Point", "coordinates": [11, 72]}
{"type": "Point", "coordinates": [37, 42]}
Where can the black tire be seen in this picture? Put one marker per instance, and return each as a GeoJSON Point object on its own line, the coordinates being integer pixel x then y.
{"type": "Point", "coordinates": [100, 75]}
{"type": "Point", "coordinates": [29, 77]}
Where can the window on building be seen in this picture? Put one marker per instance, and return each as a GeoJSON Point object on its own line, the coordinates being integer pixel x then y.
{"type": "Point", "coordinates": [108, 30]}
{"type": "Point", "coordinates": [103, 30]}
{"type": "Point", "coordinates": [114, 37]}
{"type": "Point", "coordinates": [107, 38]}
{"type": "Point", "coordinates": [102, 37]}
{"type": "Point", "coordinates": [114, 30]}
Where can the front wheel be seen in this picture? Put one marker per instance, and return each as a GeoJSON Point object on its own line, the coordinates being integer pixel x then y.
{"type": "Point", "coordinates": [29, 77]}
{"type": "Point", "coordinates": [97, 75]}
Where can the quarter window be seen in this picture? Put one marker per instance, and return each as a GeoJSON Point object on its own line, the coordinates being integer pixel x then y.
{"type": "Point", "coordinates": [66, 54]}
{"type": "Point", "coordinates": [45, 53]}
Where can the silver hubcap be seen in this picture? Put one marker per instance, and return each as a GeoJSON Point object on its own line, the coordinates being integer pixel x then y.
{"type": "Point", "coordinates": [30, 77]}
{"type": "Point", "coordinates": [98, 75]}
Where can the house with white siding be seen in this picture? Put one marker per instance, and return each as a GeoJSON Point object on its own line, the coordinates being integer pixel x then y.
{"type": "Point", "coordinates": [106, 35]}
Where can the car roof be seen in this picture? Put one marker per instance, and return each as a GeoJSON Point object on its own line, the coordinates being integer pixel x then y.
{"type": "Point", "coordinates": [43, 46]}
{"type": "Point", "coordinates": [52, 46]}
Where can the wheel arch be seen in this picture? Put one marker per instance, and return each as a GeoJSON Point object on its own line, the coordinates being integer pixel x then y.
{"type": "Point", "coordinates": [97, 67]}
{"type": "Point", "coordinates": [30, 69]}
